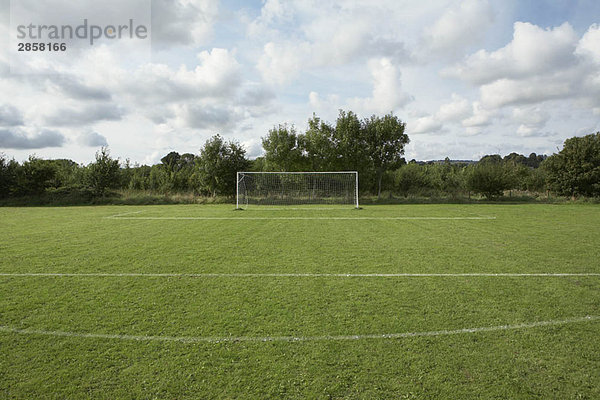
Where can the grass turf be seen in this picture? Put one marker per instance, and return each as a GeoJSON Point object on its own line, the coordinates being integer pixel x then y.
{"type": "Point", "coordinates": [561, 361]}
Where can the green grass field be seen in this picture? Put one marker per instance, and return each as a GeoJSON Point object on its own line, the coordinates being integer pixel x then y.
{"type": "Point", "coordinates": [188, 302]}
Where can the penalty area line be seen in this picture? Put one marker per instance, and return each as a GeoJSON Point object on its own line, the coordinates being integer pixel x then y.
{"type": "Point", "coordinates": [304, 218]}
{"type": "Point", "coordinates": [291, 275]}
{"type": "Point", "coordinates": [121, 215]}
{"type": "Point", "coordinates": [229, 339]}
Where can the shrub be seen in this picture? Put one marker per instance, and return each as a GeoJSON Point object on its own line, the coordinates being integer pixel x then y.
{"type": "Point", "coordinates": [489, 179]}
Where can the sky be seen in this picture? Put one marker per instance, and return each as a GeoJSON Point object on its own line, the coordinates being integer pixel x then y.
{"type": "Point", "coordinates": [469, 78]}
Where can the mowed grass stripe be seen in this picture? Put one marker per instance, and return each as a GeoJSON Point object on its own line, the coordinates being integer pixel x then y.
{"type": "Point", "coordinates": [174, 306]}
{"type": "Point", "coordinates": [293, 275]}
{"type": "Point", "coordinates": [67, 239]}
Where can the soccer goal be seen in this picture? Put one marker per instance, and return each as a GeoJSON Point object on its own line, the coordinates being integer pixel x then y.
{"type": "Point", "coordinates": [297, 188]}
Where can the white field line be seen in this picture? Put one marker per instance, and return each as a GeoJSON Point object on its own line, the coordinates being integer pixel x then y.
{"type": "Point", "coordinates": [291, 275]}
{"type": "Point", "coordinates": [202, 339]}
{"type": "Point", "coordinates": [123, 214]}
{"type": "Point", "coordinates": [350, 208]}
{"type": "Point", "coordinates": [302, 218]}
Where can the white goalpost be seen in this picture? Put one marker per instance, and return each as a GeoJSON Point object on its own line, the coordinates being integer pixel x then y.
{"type": "Point", "coordinates": [297, 188]}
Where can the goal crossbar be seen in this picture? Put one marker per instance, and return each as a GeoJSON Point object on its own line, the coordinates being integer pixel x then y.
{"type": "Point", "coordinates": [297, 188]}
{"type": "Point", "coordinates": [292, 173]}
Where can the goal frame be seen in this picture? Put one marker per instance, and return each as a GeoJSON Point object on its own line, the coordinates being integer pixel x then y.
{"type": "Point", "coordinates": [237, 181]}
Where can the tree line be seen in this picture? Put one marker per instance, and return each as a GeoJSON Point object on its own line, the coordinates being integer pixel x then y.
{"type": "Point", "coordinates": [372, 146]}
{"type": "Point", "coordinates": [211, 173]}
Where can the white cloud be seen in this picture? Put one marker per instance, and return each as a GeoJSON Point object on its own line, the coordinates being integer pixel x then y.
{"type": "Point", "coordinates": [91, 139]}
{"type": "Point", "coordinates": [10, 116]}
{"type": "Point", "coordinates": [281, 62]}
{"type": "Point", "coordinates": [386, 87]}
{"type": "Point", "coordinates": [271, 12]}
{"type": "Point", "coordinates": [206, 116]}
{"type": "Point", "coordinates": [531, 120]}
{"type": "Point", "coordinates": [538, 65]}
{"type": "Point", "coordinates": [328, 34]}
{"type": "Point", "coordinates": [481, 117]}
{"type": "Point", "coordinates": [351, 36]}
{"type": "Point", "coordinates": [217, 75]}
{"type": "Point", "coordinates": [534, 90]}
{"type": "Point", "coordinates": [184, 22]}
{"type": "Point", "coordinates": [217, 68]}
{"type": "Point", "coordinates": [209, 96]}
{"type": "Point", "coordinates": [532, 51]}
{"type": "Point", "coordinates": [73, 87]}
{"type": "Point", "coordinates": [533, 116]}
{"type": "Point", "coordinates": [589, 45]}
{"type": "Point", "coordinates": [320, 104]}
{"type": "Point", "coordinates": [457, 109]}
{"type": "Point", "coordinates": [84, 115]}
{"type": "Point", "coordinates": [387, 95]}
{"type": "Point", "coordinates": [19, 138]}
{"type": "Point", "coordinates": [427, 124]}
{"type": "Point", "coordinates": [201, 97]}
{"type": "Point", "coordinates": [458, 28]}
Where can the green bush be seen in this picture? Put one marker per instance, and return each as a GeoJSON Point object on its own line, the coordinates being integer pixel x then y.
{"type": "Point", "coordinates": [8, 176]}
{"type": "Point", "coordinates": [103, 174]}
{"type": "Point", "coordinates": [490, 179]}
{"type": "Point", "coordinates": [411, 179]}
{"type": "Point", "coordinates": [575, 170]}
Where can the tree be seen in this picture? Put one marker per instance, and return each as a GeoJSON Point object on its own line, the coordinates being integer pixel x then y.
{"type": "Point", "coordinates": [8, 176]}
{"type": "Point", "coordinates": [491, 158]}
{"type": "Point", "coordinates": [349, 140]}
{"type": "Point", "coordinates": [535, 160]}
{"type": "Point", "coordinates": [126, 174]}
{"type": "Point", "coordinates": [536, 181]}
{"type": "Point", "coordinates": [140, 177]}
{"type": "Point", "coordinates": [176, 172]}
{"type": "Point", "coordinates": [411, 179]}
{"type": "Point", "coordinates": [104, 173]}
{"type": "Point", "coordinates": [258, 164]}
{"type": "Point", "coordinates": [372, 147]}
{"type": "Point", "coordinates": [158, 179]}
{"type": "Point", "coordinates": [575, 170]}
{"type": "Point", "coordinates": [171, 161]}
{"type": "Point", "coordinates": [185, 170]}
{"type": "Point", "coordinates": [385, 140]}
{"type": "Point", "coordinates": [187, 160]}
{"type": "Point", "coordinates": [516, 158]}
{"type": "Point", "coordinates": [67, 173]}
{"type": "Point", "coordinates": [489, 179]}
{"type": "Point", "coordinates": [318, 145]}
{"type": "Point", "coordinates": [218, 164]}
{"type": "Point", "coordinates": [282, 150]}
{"type": "Point", "coordinates": [34, 176]}
{"type": "Point", "coordinates": [446, 178]}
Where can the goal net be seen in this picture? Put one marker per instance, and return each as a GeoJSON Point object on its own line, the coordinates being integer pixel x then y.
{"type": "Point", "coordinates": [296, 188]}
